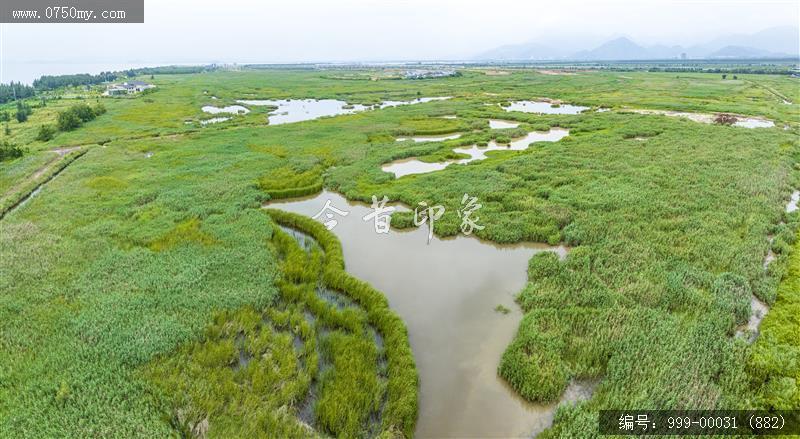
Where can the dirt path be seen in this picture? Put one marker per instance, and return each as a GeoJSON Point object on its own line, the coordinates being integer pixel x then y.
{"type": "Point", "coordinates": [60, 153]}
{"type": "Point", "coordinates": [777, 94]}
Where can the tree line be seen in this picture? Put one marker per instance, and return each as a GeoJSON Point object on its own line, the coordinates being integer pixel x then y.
{"type": "Point", "coordinates": [50, 82]}
{"type": "Point", "coordinates": [69, 119]}
{"type": "Point", "coordinates": [15, 90]}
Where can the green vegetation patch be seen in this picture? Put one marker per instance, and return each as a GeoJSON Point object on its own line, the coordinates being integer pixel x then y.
{"type": "Point", "coordinates": [184, 232]}
{"type": "Point", "coordinates": [774, 365]}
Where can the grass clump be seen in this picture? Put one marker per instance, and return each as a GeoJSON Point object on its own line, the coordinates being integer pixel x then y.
{"type": "Point", "coordinates": [287, 182]}
{"type": "Point", "coordinates": [187, 231]}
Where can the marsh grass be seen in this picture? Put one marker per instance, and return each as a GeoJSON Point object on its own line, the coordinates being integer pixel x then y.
{"type": "Point", "coordinates": [99, 329]}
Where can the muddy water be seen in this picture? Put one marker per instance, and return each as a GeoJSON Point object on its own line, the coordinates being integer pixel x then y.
{"type": "Point", "coordinates": [446, 293]}
{"type": "Point", "coordinates": [412, 165]}
{"type": "Point", "coordinates": [544, 107]}
{"type": "Point", "coordinates": [497, 124]}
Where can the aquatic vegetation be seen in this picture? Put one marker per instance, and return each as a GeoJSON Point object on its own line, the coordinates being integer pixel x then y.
{"type": "Point", "coordinates": [288, 182]}
{"type": "Point", "coordinates": [399, 410]}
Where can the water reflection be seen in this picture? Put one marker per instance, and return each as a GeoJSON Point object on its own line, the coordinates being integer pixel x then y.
{"type": "Point", "coordinates": [544, 107]}
{"type": "Point", "coordinates": [297, 110]}
{"type": "Point", "coordinates": [446, 293]}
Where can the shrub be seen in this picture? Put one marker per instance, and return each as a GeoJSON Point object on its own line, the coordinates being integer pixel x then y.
{"type": "Point", "coordinates": [46, 132]}
{"type": "Point", "coordinates": [67, 120]}
{"type": "Point", "coordinates": [9, 151]}
{"type": "Point", "coordinates": [76, 115]}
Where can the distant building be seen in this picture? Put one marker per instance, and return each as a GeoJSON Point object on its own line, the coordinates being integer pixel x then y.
{"type": "Point", "coordinates": [428, 74]}
{"type": "Point", "coordinates": [128, 87]}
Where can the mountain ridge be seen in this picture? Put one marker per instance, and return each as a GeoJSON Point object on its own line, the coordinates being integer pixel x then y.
{"type": "Point", "coordinates": [778, 42]}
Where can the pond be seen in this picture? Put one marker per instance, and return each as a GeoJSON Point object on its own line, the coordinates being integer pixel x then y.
{"type": "Point", "coordinates": [233, 109]}
{"type": "Point", "coordinates": [446, 293]}
{"type": "Point", "coordinates": [412, 165]}
{"type": "Point", "coordinates": [298, 110]}
{"type": "Point", "coordinates": [751, 122]}
{"type": "Point", "coordinates": [387, 104]}
{"type": "Point", "coordinates": [497, 124]}
{"type": "Point", "coordinates": [544, 107]}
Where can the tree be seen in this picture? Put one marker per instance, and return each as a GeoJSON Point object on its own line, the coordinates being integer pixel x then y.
{"type": "Point", "coordinates": [83, 111]}
{"type": "Point", "coordinates": [67, 120]}
{"type": "Point", "coordinates": [13, 91]}
{"type": "Point", "coordinates": [724, 76]}
{"type": "Point", "coordinates": [4, 116]}
{"type": "Point", "coordinates": [23, 111]}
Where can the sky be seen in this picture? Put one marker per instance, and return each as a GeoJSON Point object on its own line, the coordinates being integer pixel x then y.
{"type": "Point", "coordinates": [204, 31]}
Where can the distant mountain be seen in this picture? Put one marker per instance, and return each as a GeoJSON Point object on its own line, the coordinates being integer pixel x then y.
{"type": "Point", "coordinates": [776, 40]}
{"type": "Point", "coordinates": [525, 51]}
{"type": "Point", "coordinates": [619, 48]}
{"type": "Point", "coordinates": [781, 41]}
{"type": "Point", "coordinates": [742, 52]}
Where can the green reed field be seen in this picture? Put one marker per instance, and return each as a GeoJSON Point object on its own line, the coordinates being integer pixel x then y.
{"type": "Point", "coordinates": [144, 292]}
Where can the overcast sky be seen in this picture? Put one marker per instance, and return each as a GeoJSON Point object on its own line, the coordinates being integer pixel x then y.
{"type": "Point", "coordinates": [202, 31]}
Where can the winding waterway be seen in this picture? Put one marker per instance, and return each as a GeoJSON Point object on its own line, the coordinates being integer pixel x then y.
{"type": "Point", "coordinates": [446, 292]}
